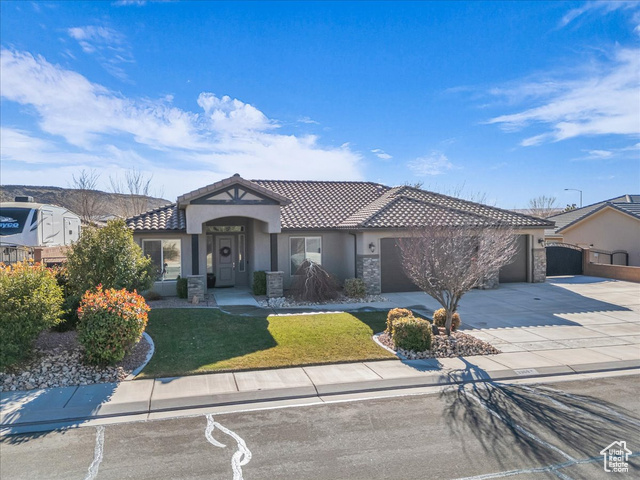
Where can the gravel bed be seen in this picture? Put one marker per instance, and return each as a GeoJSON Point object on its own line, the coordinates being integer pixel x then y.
{"type": "Point", "coordinates": [457, 345]}
{"type": "Point", "coordinates": [285, 302]}
{"type": "Point", "coordinates": [57, 362]}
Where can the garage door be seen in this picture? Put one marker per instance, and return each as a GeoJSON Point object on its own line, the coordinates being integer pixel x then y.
{"type": "Point", "coordinates": [393, 278]}
{"type": "Point", "coordinates": [516, 271]}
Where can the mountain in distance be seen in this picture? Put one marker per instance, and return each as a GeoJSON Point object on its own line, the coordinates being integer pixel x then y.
{"type": "Point", "coordinates": [90, 205]}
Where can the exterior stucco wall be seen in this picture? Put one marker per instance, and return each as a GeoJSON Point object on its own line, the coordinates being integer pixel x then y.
{"type": "Point", "coordinates": [337, 253]}
{"type": "Point", "coordinates": [197, 215]}
{"type": "Point", "coordinates": [608, 230]}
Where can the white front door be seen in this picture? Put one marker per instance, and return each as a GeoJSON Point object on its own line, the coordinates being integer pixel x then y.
{"type": "Point", "coordinates": [225, 264]}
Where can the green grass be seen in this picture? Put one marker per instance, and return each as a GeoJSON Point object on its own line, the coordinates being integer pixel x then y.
{"type": "Point", "coordinates": [190, 341]}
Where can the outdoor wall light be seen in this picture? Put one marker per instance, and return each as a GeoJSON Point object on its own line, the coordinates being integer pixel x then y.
{"type": "Point", "coordinates": [372, 247]}
{"type": "Point", "coordinates": [541, 241]}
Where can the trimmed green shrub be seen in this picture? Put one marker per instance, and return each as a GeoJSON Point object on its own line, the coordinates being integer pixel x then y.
{"type": "Point", "coordinates": [259, 282]}
{"type": "Point", "coordinates": [440, 318]}
{"type": "Point", "coordinates": [30, 302]}
{"type": "Point", "coordinates": [182, 287]}
{"type": "Point", "coordinates": [109, 257]}
{"type": "Point", "coordinates": [394, 314]}
{"type": "Point", "coordinates": [411, 333]}
{"type": "Point", "coordinates": [111, 323]}
{"type": "Point", "coordinates": [355, 288]}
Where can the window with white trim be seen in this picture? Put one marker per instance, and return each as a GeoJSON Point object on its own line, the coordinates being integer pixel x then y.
{"type": "Point", "coordinates": [304, 248]}
{"type": "Point", "coordinates": [165, 256]}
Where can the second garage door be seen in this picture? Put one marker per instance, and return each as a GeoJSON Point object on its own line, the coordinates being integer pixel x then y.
{"type": "Point", "coordinates": [393, 278]}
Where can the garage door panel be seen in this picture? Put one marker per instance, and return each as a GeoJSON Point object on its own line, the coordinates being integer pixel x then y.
{"type": "Point", "coordinates": [393, 278]}
{"type": "Point", "coordinates": [516, 271]}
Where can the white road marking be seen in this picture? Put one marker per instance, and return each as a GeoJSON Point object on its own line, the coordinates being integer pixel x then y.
{"type": "Point", "coordinates": [97, 454]}
{"type": "Point", "coordinates": [522, 430]}
{"type": "Point", "coordinates": [241, 457]}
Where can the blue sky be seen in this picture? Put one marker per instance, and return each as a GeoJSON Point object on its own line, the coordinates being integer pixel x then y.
{"type": "Point", "coordinates": [507, 100]}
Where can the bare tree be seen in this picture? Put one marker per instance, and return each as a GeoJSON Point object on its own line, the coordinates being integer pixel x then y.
{"type": "Point", "coordinates": [446, 262]}
{"type": "Point", "coordinates": [86, 200]}
{"type": "Point", "coordinates": [542, 206]}
{"type": "Point", "coordinates": [133, 192]}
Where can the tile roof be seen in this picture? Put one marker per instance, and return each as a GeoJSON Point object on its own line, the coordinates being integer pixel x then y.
{"type": "Point", "coordinates": [164, 218]}
{"type": "Point", "coordinates": [320, 205]}
{"type": "Point", "coordinates": [629, 204]}
{"type": "Point", "coordinates": [316, 205]}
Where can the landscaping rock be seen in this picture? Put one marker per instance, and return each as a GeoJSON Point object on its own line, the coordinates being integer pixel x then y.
{"type": "Point", "coordinates": [457, 345]}
{"type": "Point", "coordinates": [57, 361]}
{"type": "Point", "coordinates": [286, 302]}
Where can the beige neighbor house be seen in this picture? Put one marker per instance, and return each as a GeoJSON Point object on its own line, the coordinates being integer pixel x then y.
{"type": "Point", "coordinates": [235, 227]}
{"type": "Point", "coordinates": [611, 229]}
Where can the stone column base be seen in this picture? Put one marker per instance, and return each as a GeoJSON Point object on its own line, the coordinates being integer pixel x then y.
{"type": "Point", "coordinates": [196, 287]}
{"type": "Point", "coordinates": [368, 269]}
{"type": "Point", "coordinates": [275, 284]}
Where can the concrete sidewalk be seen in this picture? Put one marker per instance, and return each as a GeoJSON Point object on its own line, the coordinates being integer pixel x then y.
{"type": "Point", "coordinates": [150, 398]}
{"type": "Point", "coordinates": [565, 326]}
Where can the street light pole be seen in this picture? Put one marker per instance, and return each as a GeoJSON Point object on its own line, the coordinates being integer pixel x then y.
{"type": "Point", "coordinates": [576, 190]}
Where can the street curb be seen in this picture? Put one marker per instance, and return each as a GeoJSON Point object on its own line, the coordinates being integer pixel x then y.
{"type": "Point", "coordinates": [152, 349]}
{"type": "Point", "coordinates": [76, 415]}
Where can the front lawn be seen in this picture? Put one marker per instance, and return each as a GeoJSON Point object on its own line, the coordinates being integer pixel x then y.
{"type": "Point", "coordinates": [192, 341]}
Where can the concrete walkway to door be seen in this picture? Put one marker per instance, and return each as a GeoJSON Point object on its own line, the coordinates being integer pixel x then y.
{"type": "Point", "coordinates": [233, 296]}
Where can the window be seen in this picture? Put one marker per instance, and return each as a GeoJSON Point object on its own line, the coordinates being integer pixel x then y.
{"type": "Point", "coordinates": [305, 248]}
{"type": "Point", "coordinates": [241, 254]}
{"type": "Point", "coordinates": [165, 256]}
{"type": "Point", "coordinates": [225, 228]}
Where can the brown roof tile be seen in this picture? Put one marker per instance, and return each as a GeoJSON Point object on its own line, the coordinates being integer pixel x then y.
{"type": "Point", "coordinates": [356, 205]}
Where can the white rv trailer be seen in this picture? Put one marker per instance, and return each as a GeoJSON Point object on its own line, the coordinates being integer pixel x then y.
{"type": "Point", "coordinates": [24, 223]}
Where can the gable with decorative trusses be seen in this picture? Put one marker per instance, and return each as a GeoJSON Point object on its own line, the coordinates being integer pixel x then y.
{"type": "Point", "coordinates": [232, 191]}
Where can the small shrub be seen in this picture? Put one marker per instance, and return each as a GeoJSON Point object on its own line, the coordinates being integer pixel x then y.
{"type": "Point", "coordinates": [440, 318]}
{"type": "Point", "coordinates": [355, 288]}
{"type": "Point", "coordinates": [312, 283]}
{"type": "Point", "coordinates": [182, 287]}
{"type": "Point", "coordinates": [259, 282]}
{"type": "Point", "coordinates": [111, 322]}
{"type": "Point", "coordinates": [152, 295]}
{"type": "Point", "coordinates": [411, 333]}
{"type": "Point", "coordinates": [30, 302]}
{"type": "Point", "coordinates": [394, 314]}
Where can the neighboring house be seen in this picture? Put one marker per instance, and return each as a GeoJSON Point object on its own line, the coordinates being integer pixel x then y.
{"type": "Point", "coordinates": [609, 226]}
{"type": "Point", "coordinates": [235, 227]}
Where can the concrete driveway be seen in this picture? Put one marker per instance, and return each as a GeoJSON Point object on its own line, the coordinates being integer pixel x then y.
{"type": "Point", "coordinates": [566, 316]}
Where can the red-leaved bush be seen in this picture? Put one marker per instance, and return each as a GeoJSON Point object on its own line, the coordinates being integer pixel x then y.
{"type": "Point", "coordinates": [111, 322]}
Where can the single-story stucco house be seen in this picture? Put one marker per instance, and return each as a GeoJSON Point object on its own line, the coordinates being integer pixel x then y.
{"type": "Point", "coordinates": [235, 227]}
{"type": "Point", "coordinates": [610, 225]}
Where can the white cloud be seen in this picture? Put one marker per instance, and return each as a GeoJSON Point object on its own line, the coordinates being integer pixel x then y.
{"type": "Point", "coordinates": [233, 116]}
{"type": "Point", "coordinates": [436, 163]}
{"type": "Point", "coordinates": [91, 126]}
{"type": "Point", "coordinates": [601, 6]}
{"type": "Point", "coordinates": [603, 103]}
{"type": "Point", "coordinates": [108, 45]}
{"type": "Point", "coordinates": [308, 120]}
{"type": "Point", "coordinates": [381, 154]}
{"type": "Point", "coordinates": [630, 152]}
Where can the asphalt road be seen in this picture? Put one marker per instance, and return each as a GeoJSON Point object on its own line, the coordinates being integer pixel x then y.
{"type": "Point", "coordinates": [545, 431]}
